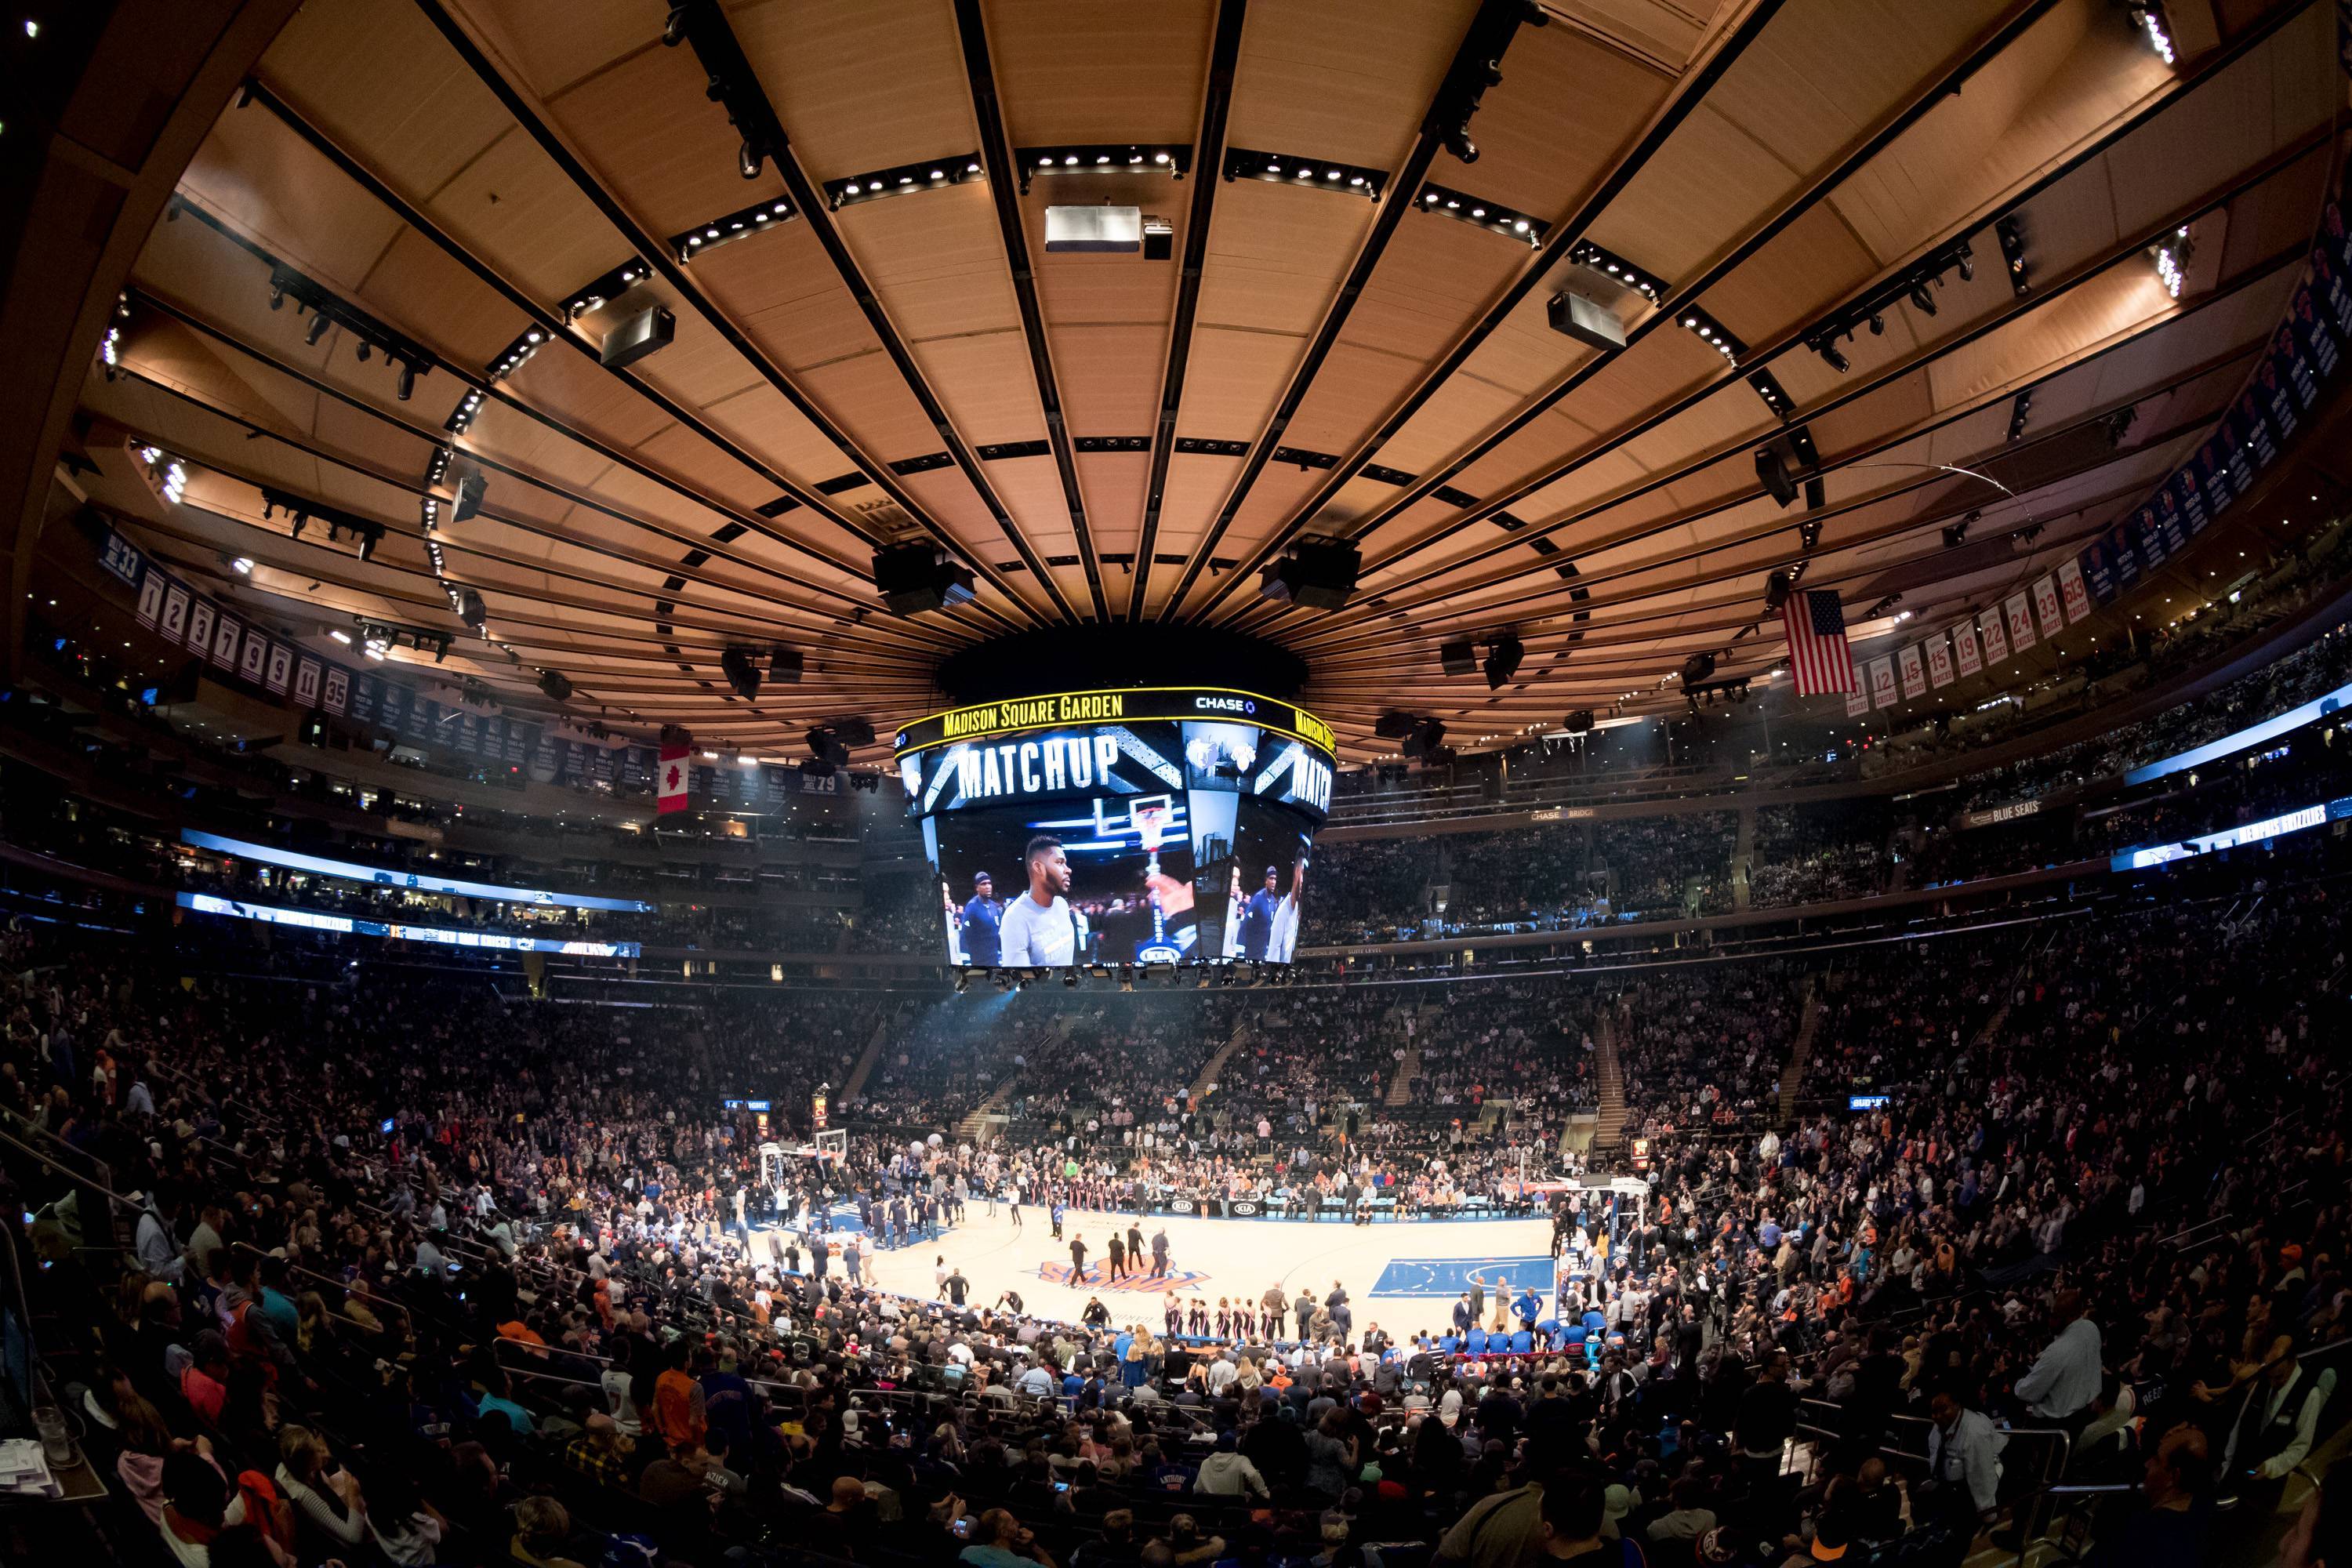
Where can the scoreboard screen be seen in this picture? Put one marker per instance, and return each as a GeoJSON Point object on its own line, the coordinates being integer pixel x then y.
{"type": "Point", "coordinates": [1171, 826]}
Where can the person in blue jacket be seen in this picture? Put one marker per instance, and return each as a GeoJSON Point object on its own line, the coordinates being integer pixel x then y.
{"type": "Point", "coordinates": [982, 915]}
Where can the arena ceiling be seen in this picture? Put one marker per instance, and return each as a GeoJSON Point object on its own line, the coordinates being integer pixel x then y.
{"type": "Point", "coordinates": [1349, 336]}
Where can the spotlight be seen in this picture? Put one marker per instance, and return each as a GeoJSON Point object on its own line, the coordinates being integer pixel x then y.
{"type": "Point", "coordinates": [1773, 473]}
{"type": "Point", "coordinates": [912, 578]}
{"type": "Point", "coordinates": [1070, 977]}
{"type": "Point", "coordinates": [1697, 668]}
{"type": "Point", "coordinates": [470, 608]}
{"type": "Point", "coordinates": [407, 382]}
{"type": "Point", "coordinates": [1835, 359]}
{"type": "Point", "coordinates": [367, 545]}
{"type": "Point", "coordinates": [1316, 575]}
{"type": "Point", "coordinates": [1503, 657]}
{"type": "Point", "coordinates": [1458, 142]}
{"type": "Point", "coordinates": [319, 325]}
{"type": "Point", "coordinates": [556, 684]}
{"type": "Point", "coordinates": [1776, 590]}
{"type": "Point", "coordinates": [1967, 265]}
{"type": "Point", "coordinates": [1394, 725]}
{"type": "Point", "coordinates": [825, 750]}
{"type": "Point", "coordinates": [1426, 738]}
{"type": "Point", "coordinates": [1922, 297]}
{"type": "Point", "coordinates": [741, 672]}
{"type": "Point", "coordinates": [1877, 325]}
{"type": "Point", "coordinates": [1580, 722]}
{"type": "Point", "coordinates": [471, 489]}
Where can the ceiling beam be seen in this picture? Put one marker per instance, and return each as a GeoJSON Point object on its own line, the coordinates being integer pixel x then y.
{"type": "Point", "coordinates": [1208, 158]}
{"type": "Point", "coordinates": [1483, 47]}
{"type": "Point", "coordinates": [1561, 239]}
{"type": "Point", "coordinates": [1004, 191]}
{"type": "Point", "coordinates": [2205, 71]}
{"type": "Point", "coordinates": [657, 252]}
{"type": "Point", "coordinates": [2009, 312]}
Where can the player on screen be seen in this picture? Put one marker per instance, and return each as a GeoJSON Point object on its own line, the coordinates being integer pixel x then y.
{"type": "Point", "coordinates": [1257, 916]}
{"type": "Point", "coordinates": [1282, 940]}
{"type": "Point", "coordinates": [1039, 929]}
{"type": "Point", "coordinates": [981, 917]}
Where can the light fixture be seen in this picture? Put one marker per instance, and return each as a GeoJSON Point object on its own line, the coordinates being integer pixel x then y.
{"type": "Point", "coordinates": [904, 180]}
{"type": "Point", "coordinates": [242, 565]}
{"type": "Point", "coordinates": [1524, 228]}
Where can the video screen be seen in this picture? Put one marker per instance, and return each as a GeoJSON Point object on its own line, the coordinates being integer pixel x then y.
{"type": "Point", "coordinates": [1253, 880]}
{"type": "Point", "coordinates": [1099, 879]}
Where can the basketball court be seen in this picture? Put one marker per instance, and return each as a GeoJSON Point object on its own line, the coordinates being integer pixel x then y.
{"type": "Point", "coordinates": [1403, 1277]}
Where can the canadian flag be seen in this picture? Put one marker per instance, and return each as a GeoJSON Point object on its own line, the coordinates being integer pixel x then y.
{"type": "Point", "coordinates": [673, 777]}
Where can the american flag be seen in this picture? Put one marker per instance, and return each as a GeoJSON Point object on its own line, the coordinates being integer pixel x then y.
{"type": "Point", "coordinates": [1817, 658]}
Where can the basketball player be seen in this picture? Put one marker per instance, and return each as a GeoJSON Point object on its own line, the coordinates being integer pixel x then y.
{"type": "Point", "coordinates": [1282, 939]}
{"type": "Point", "coordinates": [1257, 916]}
{"type": "Point", "coordinates": [1039, 929]}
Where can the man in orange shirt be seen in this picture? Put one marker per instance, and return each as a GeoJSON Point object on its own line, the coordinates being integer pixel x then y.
{"type": "Point", "coordinates": [677, 1401]}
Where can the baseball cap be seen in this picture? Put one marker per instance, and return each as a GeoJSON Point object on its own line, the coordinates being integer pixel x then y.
{"type": "Point", "coordinates": [980, 877]}
{"type": "Point", "coordinates": [1830, 1540]}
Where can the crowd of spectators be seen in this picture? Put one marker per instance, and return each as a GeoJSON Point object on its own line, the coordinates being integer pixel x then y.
{"type": "Point", "coordinates": [289, 1367]}
{"type": "Point", "coordinates": [1813, 854]}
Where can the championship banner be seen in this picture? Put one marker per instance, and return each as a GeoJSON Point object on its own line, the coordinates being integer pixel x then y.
{"type": "Point", "coordinates": [2017, 611]}
{"type": "Point", "coordinates": [1857, 695]}
{"type": "Point", "coordinates": [2045, 605]}
{"type": "Point", "coordinates": [1964, 648]}
{"type": "Point", "coordinates": [151, 597]}
{"type": "Point", "coordinates": [2122, 555]}
{"type": "Point", "coordinates": [306, 682]}
{"type": "Point", "coordinates": [1882, 681]}
{"type": "Point", "coordinates": [2072, 592]}
{"type": "Point", "coordinates": [2251, 433]}
{"type": "Point", "coordinates": [1940, 662]}
{"type": "Point", "coordinates": [2318, 339]}
{"type": "Point", "coordinates": [2294, 363]}
{"type": "Point", "coordinates": [1915, 675]}
{"type": "Point", "coordinates": [1996, 641]}
{"type": "Point", "coordinates": [2278, 404]}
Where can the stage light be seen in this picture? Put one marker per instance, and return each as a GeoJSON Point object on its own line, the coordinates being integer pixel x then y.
{"type": "Point", "coordinates": [912, 578]}
{"type": "Point", "coordinates": [1924, 297]}
{"type": "Point", "coordinates": [741, 674]}
{"type": "Point", "coordinates": [470, 608]}
{"type": "Point", "coordinates": [242, 565]}
{"type": "Point", "coordinates": [1833, 359]}
{"type": "Point", "coordinates": [317, 329]}
{"type": "Point", "coordinates": [1773, 473]}
{"type": "Point", "coordinates": [556, 684]}
{"type": "Point", "coordinates": [1503, 658]}
{"type": "Point", "coordinates": [1394, 725]}
{"type": "Point", "coordinates": [1316, 575]}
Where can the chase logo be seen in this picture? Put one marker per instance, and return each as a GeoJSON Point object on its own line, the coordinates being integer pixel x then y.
{"type": "Point", "coordinates": [1225, 704]}
{"type": "Point", "coordinates": [901, 743]}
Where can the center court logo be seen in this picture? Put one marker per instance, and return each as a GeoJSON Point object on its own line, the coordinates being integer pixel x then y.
{"type": "Point", "coordinates": [1177, 1279]}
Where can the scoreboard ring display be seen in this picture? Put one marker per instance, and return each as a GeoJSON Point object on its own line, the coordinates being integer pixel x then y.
{"type": "Point", "coordinates": [1155, 824]}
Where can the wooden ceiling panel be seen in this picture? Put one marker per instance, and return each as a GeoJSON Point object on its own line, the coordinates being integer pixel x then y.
{"type": "Point", "coordinates": [1074, 72]}
{"type": "Point", "coordinates": [379, 77]}
{"type": "Point", "coordinates": [861, 85]}
{"type": "Point", "coordinates": [1348, 79]}
{"type": "Point", "coordinates": [1565, 109]}
{"type": "Point", "coordinates": [1109, 373]}
{"type": "Point", "coordinates": [987, 386]}
{"type": "Point", "coordinates": [262, 181]}
{"type": "Point", "coordinates": [937, 261]}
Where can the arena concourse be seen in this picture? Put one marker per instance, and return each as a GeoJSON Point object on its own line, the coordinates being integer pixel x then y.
{"type": "Point", "coordinates": [1243, 783]}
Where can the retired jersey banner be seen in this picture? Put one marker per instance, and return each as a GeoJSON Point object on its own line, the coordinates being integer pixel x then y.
{"type": "Point", "coordinates": [253, 658]}
{"type": "Point", "coordinates": [1996, 641]}
{"type": "Point", "coordinates": [1940, 662]}
{"type": "Point", "coordinates": [151, 597]}
{"type": "Point", "coordinates": [2017, 612]}
{"type": "Point", "coordinates": [1857, 695]}
{"type": "Point", "coordinates": [2045, 606]}
{"type": "Point", "coordinates": [1964, 648]}
{"type": "Point", "coordinates": [177, 602]}
{"type": "Point", "coordinates": [1915, 675]}
{"type": "Point", "coordinates": [2071, 590]}
{"type": "Point", "coordinates": [1882, 681]}
{"type": "Point", "coordinates": [200, 627]}
{"type": "Point", "coordinates": [306, 682]}
{"type": "Point", "coordinates": [335, 692]}
{"type": "Point", "coordinates": [281, 667]}
{"type": "Point", "coordinates": [228, 635]}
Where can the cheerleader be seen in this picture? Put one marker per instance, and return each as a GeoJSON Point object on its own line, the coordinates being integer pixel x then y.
{"type": "Point", "coordinates": [1171, 1310]}
{"type": "Point", "coordinates": [1197, 1320]}
{"type": "Point", "coordinates": [1225, 1320]}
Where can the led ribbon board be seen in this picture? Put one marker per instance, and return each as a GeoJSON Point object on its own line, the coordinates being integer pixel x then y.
{"type": "Point", "coordinates": [990, 721]}
{"type": "Point", "coordinates": [346, 925]}
{"type": "Point", "coordinates": [2245, 739]}
{"type": "Point", "coordinates": [376, 875]}
{"type": "Point", "coordinates": [2231, 837]}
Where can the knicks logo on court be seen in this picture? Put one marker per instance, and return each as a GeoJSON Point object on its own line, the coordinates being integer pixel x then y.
{"type": "Point", "coordinates": [1095, 1280]}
